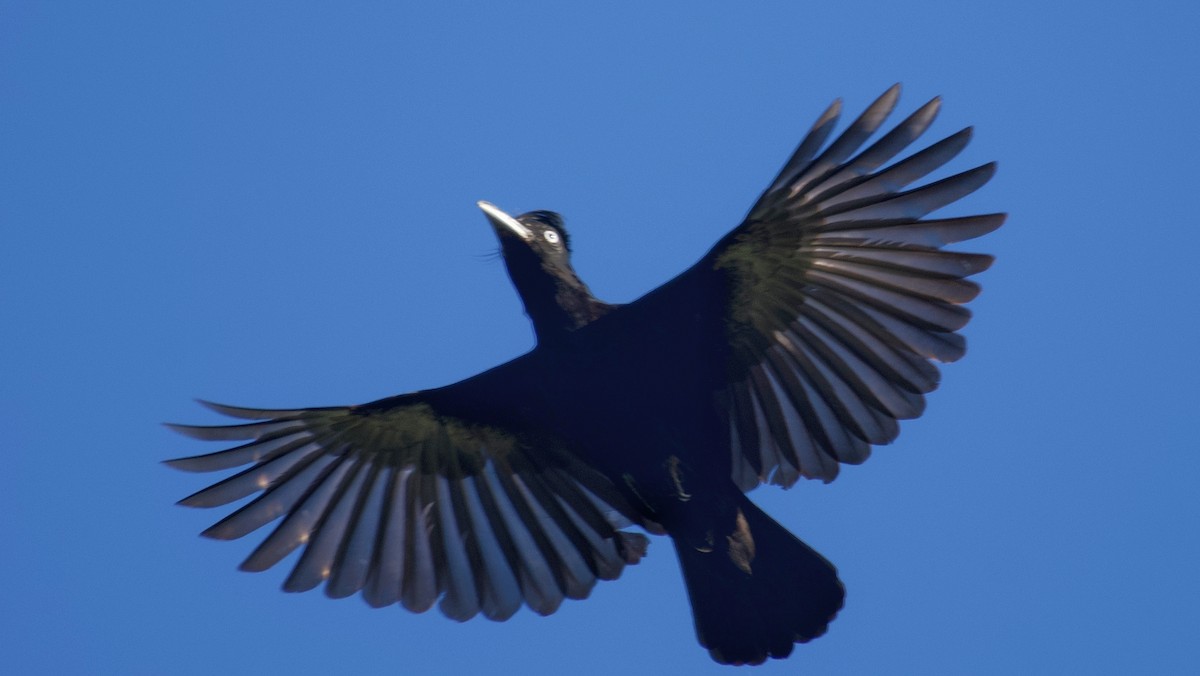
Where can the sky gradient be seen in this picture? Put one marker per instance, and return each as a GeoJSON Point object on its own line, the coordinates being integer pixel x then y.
{"type": "Point", "coordinates": [275, 206]}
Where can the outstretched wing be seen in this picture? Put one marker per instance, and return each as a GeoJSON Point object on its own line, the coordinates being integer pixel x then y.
{"type": "Point", "coordinates": [834, 295]}
{"type": "Point", "coordinates": [408, 500]}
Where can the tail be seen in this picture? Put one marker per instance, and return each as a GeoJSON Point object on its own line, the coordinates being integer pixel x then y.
{"type": "Point", "coordinates": [757, 590]}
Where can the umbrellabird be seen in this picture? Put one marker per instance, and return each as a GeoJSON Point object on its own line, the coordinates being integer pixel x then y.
{"type": "Point", "coordinates": [794, 345]}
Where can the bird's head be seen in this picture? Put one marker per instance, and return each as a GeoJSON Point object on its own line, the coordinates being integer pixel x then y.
{"type": "Point", "coordinates": [537, 253]}
{"type": "Point", "coordinates": [540, 233]}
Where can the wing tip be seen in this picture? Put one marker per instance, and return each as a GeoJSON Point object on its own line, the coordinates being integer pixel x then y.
{"type": "Point", "coordinates": [891, 95]}
{"type": "Point", "coordinates": [193, 501]}
{"type": "Point", "coordinates": [244, 413]}
{"type": "Point", "coordinates": [192, 431]}
{"type": "Point", "coordinates": [830, 116]}
{"type": "Point", "coordinates": [182, 464]}
{"type": "Point", "coordinates": [218, 531]}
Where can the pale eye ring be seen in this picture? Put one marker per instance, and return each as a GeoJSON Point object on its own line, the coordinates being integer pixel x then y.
{"type": "Point", "coordinates": [551, 236]}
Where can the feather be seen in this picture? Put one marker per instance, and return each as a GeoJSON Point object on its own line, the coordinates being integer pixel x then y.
{"type": "Point", "coordinates": [299, 525]}
{"type": "Point", "coordinates": [387, 570]}
{"type": "Point", "coordinates": [930, 234]}
{"type": "Point", "coordinates": [845, 145]}
{"type": "Point", "coordinates": [501, 594]}
{"type": "Point", "coordinates": [915, 203]}
{"type": "Point", "coordinates": [252, 480]}
{"type": "Point", "coordinates": [899, 175]}
{"type": "Point", "coordinates": [882, 150]}
{"type": "Point", "coordinates": [800, 159]}
{"type": "Point", "coordinates": [279, 499]}
{"type": "Point", "coordinates": [539, 586]}
{"type": "Point", "coordinates": [258, 451]}
{"type": "Point", "coordinates": [422, 583]}
{"type": "Point", "coordinates": [353, 563]}
{"type": "Point", "coordinates": [257, 430]}
{"type": "Point", "coordinates": [316, 563]}
{"type": "Point", "coordinates": [461, 601]}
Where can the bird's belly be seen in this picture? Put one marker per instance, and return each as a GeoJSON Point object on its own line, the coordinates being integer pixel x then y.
{"type": "Point", "coordinates": [653, 431]}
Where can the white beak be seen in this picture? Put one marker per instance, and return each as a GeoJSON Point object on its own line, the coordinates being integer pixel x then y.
{"type": "Point", "coordinates": [500, 219]}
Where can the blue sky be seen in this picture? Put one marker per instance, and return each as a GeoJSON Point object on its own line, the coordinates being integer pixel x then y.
{"type": "Point", "coordinates": [275, 206]}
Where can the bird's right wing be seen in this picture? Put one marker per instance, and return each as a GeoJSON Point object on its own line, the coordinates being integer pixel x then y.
{"type": "Point", "coordinates": [409, 500]}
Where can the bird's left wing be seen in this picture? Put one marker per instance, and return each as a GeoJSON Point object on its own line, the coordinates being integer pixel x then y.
{"type": "Point", "coordinates": [409, 499]}
{"type": "Point", "coordinates": [834, 296]}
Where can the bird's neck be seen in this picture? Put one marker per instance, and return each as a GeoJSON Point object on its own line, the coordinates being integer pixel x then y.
{"type": "Point", "coordinates": [558, 304]}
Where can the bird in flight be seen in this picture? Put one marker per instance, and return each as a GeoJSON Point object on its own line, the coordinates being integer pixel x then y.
{"type": "Point", "coordinates": [794, 345]}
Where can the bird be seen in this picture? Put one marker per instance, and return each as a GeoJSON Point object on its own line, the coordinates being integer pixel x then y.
{"type": "Point", "coordinates": [793, 346]}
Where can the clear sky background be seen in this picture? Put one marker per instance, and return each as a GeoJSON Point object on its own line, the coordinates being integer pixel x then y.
{"type": "Point", "coordinates": [274, 205]}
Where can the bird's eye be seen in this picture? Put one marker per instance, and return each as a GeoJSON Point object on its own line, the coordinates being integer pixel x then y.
{"type": "Point", "coordinates": [551, 236]}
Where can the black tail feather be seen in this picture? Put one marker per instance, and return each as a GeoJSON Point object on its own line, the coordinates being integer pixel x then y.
{"type": "Point", "coordinates": [758, 589]}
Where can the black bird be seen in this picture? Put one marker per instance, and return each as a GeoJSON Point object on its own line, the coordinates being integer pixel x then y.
{"type": "Point", "coordinates": [794, 345]}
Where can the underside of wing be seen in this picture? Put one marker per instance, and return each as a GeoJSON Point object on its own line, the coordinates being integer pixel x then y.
{"type": "Point", "coordinates": [407, 505]}
{"type": "Point", "coordinates": [840, 295]}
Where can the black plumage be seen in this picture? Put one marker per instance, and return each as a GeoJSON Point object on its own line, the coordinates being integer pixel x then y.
{"type": "Point", "coordinates": [794, 345]}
